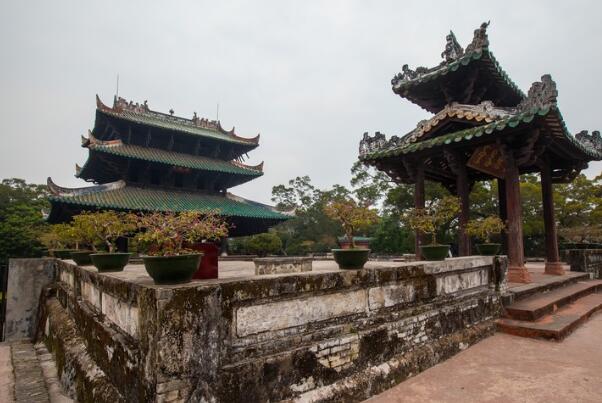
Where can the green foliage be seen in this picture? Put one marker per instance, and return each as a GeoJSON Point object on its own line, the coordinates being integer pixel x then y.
{"type": "Point", "coordinates": [107, 226]}
{"type": "Point", "coordinates": [167, 234]}
{"type": "Point", "coordinates": [353, 217]}
{"type": "Point", "coordinates": [59, 236]}
{"type": "Point", "coordinates": [264, 244]}
{"type": "Point", "coordinates": [429, 220]}
{"type": "Point", "coordinates": [21, 219]}
{"type": "Point", "coordinates": [483, 228]}
{"type": "Point", "coordinates": [84, 231]}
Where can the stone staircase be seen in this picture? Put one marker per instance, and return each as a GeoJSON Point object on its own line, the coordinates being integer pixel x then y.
{"type": "Point", "coordinates": [551, 309]}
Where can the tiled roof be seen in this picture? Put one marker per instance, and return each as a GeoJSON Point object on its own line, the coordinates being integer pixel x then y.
{"type": "Point", "coordinates": [197, 127]}
{"type": "Point", "coordinates": [142, 199]}
{"type": "Point", "coordinates": [550, 113]}
{"type": "Point", "coordinates": [445, 68]}
{"type": "Point", "coordinates": [174, 158]}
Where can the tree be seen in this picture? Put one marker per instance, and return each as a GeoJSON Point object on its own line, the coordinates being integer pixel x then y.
{"type": "Point", "coordinates": [264, 244]}
{"type": "Point", "coordinates": [21, 218]}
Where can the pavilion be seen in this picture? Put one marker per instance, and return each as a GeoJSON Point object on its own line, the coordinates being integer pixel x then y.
{"type": "Point", "coordinates": [484, 128]}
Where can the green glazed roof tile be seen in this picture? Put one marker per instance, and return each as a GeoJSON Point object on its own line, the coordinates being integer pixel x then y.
{"type": "Point", "coordinates": [174, 158]}
{"type": "Point", "coordinates": [142, 199]}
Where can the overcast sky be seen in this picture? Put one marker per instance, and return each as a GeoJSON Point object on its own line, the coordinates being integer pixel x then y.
{"type": "Point", "coordinates": [309, 76]}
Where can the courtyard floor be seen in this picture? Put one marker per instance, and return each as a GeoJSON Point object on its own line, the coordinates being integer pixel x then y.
{"type": "Point", "coordinates": [505, 368]}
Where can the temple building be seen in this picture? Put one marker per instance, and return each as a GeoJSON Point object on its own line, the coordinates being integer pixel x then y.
{"type": "Point", "coordinates": [483, 128]}
{"type": "Point", "coordinates": [142, 160]}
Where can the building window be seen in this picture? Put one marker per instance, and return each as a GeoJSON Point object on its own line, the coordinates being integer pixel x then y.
{"type": "Point", "coordinates": [155, 177]}
{"type": "Point", "coordinates": [178, 180]}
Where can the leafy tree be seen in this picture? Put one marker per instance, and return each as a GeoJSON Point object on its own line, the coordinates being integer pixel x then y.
{"type": "Point", "coordinates": [352, 216]}
{"type": "Point", "coordinates": [21, 219]}
{"type": "Point", "coordinates": [264, 244]}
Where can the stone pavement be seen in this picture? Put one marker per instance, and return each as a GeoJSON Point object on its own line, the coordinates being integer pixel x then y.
{"type": "Point", "coordinates": [505, 368]}
{"type": "Point", "coordinates": [28, 374]}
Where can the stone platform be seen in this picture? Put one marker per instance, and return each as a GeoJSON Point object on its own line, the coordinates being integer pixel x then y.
{"type": "Point", "coordinates": [323, 335]}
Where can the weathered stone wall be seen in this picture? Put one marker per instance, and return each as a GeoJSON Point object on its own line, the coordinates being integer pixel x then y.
{"type": "Point", "coordinates": [26, 279]}
{"type": "Point", "coordinates": [275, 265]}
{"type": "Point", "coordinates": [585, 260]}
{"type": "Point", "coordinates": [309, 336]}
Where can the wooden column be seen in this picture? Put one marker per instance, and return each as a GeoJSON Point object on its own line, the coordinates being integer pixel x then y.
{"type": "Point", "coordinates": [553, 265]}
{"type": "Point", "coordinates": [464, 195]}
{"type": "Point", "coordinates": [501, 194]}
{"type": "Point", "coordinates": [517, 272]}
{"type": "Point", "coordinates": [419, 203]}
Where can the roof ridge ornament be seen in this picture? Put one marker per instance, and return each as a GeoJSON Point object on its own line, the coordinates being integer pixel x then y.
{"type": "Point", "coordinates": [593, 140]}
{"type": "Point", "coordinates": [57, 190]}
{"type": "Point", "coordinates": [541, 94]}
{"type": "Point", "coordinates": [480, 39]}
{"type": "Point", "coordinates": [369, 143]}
{"type": "Point", "coordinates": [453, 50]}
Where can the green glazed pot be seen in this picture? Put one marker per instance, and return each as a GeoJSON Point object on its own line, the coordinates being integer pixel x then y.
{"type": "Point", "coordinates": [172, 269]}
{"type": "Point", "coordinates": [106, 262]}
{"type": "Point", "coordinates": [62, 253]}
{"type": "Point", "coordinates": [82, 257]}
{"type": "Point", "coordinates": [351, 259]}
{"type": "Point", "coordinates": [489, 249]}
{"type": "Point", "coordinates": [435, 252]}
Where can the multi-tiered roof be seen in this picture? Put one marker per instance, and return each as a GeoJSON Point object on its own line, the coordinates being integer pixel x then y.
{"type": "Point", "coordinates": [142, 160]}
{"type": "Point", "coordinates": [475, 104]}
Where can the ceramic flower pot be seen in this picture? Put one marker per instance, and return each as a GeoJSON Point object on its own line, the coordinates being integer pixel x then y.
{"type": "Point", "coordinates": [351, 259]}
{"type": "Point", "coordinates": [82, 257]}
{"type": "Point", "coordinates": [488, 249]}
{"type": "Point", "coordinates": [172, 269]}
{"type": "Point", "coordinates": [435, 252]}
{"type": "Point", "coordinates": [106, 262]}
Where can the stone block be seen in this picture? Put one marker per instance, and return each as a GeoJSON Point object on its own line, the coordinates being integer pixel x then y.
{"type": "Point", "coordinates": [90, 293]}
{"type": "Point", "coordinates": [124, 315]}
{"type": "Point", "coordinates": [277, 265]}
{"type": "Point", "coordinates": [297, 312]}
{"type": "Point", "coordinates": [390, 295]}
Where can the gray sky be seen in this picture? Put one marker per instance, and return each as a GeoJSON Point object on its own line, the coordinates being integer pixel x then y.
{"type": "Point", "coordinates": [310, 76]}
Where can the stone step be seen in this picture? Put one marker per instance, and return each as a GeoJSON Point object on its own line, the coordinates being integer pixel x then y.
{"type": "Point", "coordinates": [547, 283]}
{"type": "Point", "coordinates": [536, 306]}
{"type": "Point", "coordinates": [556, 325]}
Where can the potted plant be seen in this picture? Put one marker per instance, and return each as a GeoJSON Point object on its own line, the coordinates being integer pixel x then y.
{"type": "Point", "coordinates": [166, 239]}
{"type": "Point", "coordinates": [107, 226]}
{"type": "Point", "coordinates": [59, 240]}
{"type": "Point", "coordinates": [85, 233]}
{"type": "Point", "coordinates": [429, 220]}
{"type": "Point", "coordinates": [353, 217]}
{"type": "Point", "coordinates": [483, 228]}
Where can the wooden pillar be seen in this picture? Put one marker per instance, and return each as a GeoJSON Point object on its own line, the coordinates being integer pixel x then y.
{"type": "Point", "coordinates": [464, 196]}
{"type": "Point", "coordinates": [517, 272]}
{"type": "Point", "coordinates": [419, 203]}
{"type": "Point", "coordinates": [501, 194]}
{"type": "Point", "coordinates": [553, 265]}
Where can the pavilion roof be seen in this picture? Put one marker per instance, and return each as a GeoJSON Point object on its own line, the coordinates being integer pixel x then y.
{"type": "Point", "coordinates": [470, 76]}
{"type": "Point", "coordinates": [141, 114]}
{"type": "Point", "coordinates": [119, 196]}
{"type": "Point", "coordinates": [118, 148]}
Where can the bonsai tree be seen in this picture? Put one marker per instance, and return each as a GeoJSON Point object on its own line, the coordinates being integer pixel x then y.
{"type": "Point", "coordinates": [105, 227]}
{"type": "Point", "coordinates": [264, 244]}
{"type": "Point", "coordinates": [429, 220]}
{"type": "Point", "coordinates": [483, 228]}
{"type": "Point", "coordinates": [84, 230]}
{"type": "Point", "coordinates": [59, 236]}
{"type": "Point", "coordinates": [352, 216]}
{"type": "Point", "coordinates": [168, 234]}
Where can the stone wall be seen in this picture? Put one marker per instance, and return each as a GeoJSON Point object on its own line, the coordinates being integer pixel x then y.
{"type": "Point", "coordinates": [26, 279]}
{"type": "Point", "coordinates": [274, 265]}
{"type": "Point", "coordinates": [340, 335]}
{"type": "Point", "coordinates": [585, 260]}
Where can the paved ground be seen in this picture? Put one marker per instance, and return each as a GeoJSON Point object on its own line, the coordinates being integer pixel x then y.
{"type": "Point", "coordinates": [506, 368]}
{"type": "Point", "coordinates": [6, 374]}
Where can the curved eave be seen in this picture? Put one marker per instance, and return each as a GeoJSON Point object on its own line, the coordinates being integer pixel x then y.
{"type": "Point", "coordinates": [141, 199]}
{"type": "Point", "coordinates": [550, 115]}
{"type": "Point", "coordinates": [408, 88]}
{"type": "Point", "coordinates": [189, 129]}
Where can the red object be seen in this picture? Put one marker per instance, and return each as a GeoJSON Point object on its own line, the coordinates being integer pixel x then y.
{"type": "Point", "coordinates": [208, 265]}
